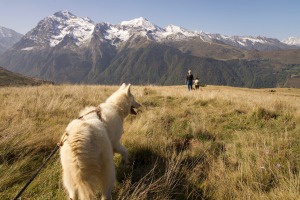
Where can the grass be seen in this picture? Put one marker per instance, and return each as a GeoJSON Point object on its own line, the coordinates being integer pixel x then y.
{"type": "Point", "coordinates": [216, 143]}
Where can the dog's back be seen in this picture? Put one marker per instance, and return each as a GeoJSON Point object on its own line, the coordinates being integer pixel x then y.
{"type": "Point", "coordinates": [87, 155]}
{"type": "Point", "coordinates": [87, 159]}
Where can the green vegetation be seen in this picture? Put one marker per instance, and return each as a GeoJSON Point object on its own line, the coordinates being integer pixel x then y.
{"type": "Point", "coordinates": [216, 143]}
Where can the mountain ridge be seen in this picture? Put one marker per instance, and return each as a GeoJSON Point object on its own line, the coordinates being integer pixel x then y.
{"type": "Point", "coordinates": [64, 23]}
{"type": "Point", "coordinates": [8, 38]}
{"type": "Point", "coordinates": [292, 41]}
{"type": "Point", "coordinates": [65, 48]}
{"type": "Point", "coordinates": [244, 42]}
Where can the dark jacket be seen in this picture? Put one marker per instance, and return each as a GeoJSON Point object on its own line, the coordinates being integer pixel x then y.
{"type": "Point", "coordinates": [189, 79]}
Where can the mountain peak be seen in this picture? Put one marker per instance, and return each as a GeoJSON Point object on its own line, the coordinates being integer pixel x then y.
{"type": "Point", "coordinates": [177, 30]}
{"type": "Point", "coordinates": [174, 29]}
{"type": "Point", "coordinates": [64, 26]}
{"type": "Point", "coordinates": [59, 27]}
{"type": "Point", "coordinates": [65, 14]}
{"type": "Point", "coordinates": [139, 22]}
{"type": "Point", "coordinates": [9, 33]}
{"type": "Point", "coordinates": [8, 38]}
{"type": "Point", "coordinates": [292, 41]}
{"type": "Point", "coordinates": [5, 32]}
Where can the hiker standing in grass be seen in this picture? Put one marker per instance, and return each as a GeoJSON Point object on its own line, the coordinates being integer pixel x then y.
{"type": "Point", "coordinates": [189, 80]}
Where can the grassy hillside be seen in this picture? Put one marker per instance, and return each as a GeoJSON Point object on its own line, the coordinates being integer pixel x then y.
{"type": "Point", "coordinates": [216, 143]}
{"type": "Point", "coordinates": [8, 78]}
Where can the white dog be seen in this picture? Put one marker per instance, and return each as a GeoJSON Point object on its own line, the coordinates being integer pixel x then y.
{"type": "Point", "coordinates": [93, 138]}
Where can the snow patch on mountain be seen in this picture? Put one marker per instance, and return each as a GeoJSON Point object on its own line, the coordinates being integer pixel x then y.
{"type": "Point", "coordinates": [64, 25]}
{"type": "Point", "coordinates": [115, 32]}
{"type": "Point", "coordinates": [139, 23]}
{"type": "Point", "coordinates": [176, 32]}
{"type": "Point", "coordinates": [242, 40]}
{"type": "Point", "coordinates": [254, 40]}
{"type": "Point", "coordinates": [142, 27]}
{"type": "Point", "coordinates": [52, 30]}
{"type": "Point", "coordinates": [78, 28]}
{"type": "Point", "coordinates": [292, 41]}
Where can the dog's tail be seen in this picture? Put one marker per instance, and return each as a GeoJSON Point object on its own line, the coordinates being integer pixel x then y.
{"type": "Point", "coordinates": [85, 190]}
{"type": "Point", "coordinates": [85, 181]}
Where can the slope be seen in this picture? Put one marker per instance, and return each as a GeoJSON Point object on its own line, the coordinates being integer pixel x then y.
{"type": "Point", "coordinates": [216, 143]}
{"type": "Point", "coordinates": [8, 78]}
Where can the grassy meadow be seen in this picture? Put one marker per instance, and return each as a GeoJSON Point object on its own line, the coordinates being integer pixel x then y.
{"type": "Point", "coordinates": [215, 143]}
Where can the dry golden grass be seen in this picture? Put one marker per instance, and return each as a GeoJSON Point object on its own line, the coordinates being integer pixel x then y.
{"type": "Point", "coordinates": [216, 143]}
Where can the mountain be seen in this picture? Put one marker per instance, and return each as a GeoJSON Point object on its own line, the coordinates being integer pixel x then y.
{"type": "Point", "coordinates": [8, 38]}
{"type": "Point", "coordinates": [63, 25]}
{"type": "Point", "coordinates": [8, 78]}
{"type": "Point", "coordinates": [259, 43]}
{"type": "Point", "coordinates": [65, 48]}
{"type": "Point", "coordinates": [292, 41]}
{"type": "Point", "coordinates": [57, 30]}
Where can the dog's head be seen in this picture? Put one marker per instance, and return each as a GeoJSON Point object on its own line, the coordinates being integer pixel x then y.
{"type": "Point", "coordinates": [133, 103]}
{"type": "Point", "coordinates": [124, 99]}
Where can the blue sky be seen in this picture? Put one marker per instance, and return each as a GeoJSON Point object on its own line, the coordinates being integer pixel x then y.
{"type": "Point", "coordinates": [271, 18]}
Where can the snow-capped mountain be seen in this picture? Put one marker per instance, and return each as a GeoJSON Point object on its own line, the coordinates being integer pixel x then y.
{"type": "Point", "coordinates": [56, 28]}
{"type": "Point", "coordinates": [292, 41]}
{"type": "Point", "coordinates": [8, 38]}
{"type": "Point", "coordinates": [141, 27]}
{"type": "Point", "coordinates": [65, 28]}
{"type": "Point", "coordinates": [65, 48]}
{"type": "Point", "coordinates": [260, 43]}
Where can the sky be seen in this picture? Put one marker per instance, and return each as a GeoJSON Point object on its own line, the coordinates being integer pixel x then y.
{"type": "Point", "coordinates": [278, 19]}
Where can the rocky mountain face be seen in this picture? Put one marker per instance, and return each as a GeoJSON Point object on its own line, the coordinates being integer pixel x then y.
{"type": "Point", "coordinates": [8, 38]}
{"type": "Point", "coordinates": [65, 48]}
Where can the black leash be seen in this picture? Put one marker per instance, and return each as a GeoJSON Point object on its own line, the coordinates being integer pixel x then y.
{"type": "Point", "coordinates": [43, 165]}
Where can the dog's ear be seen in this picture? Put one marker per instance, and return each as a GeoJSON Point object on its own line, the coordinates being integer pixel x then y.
{"type": "Point", "coordinates": [128, 89]}
{"type": "Point", "coordinates": [123, 86]}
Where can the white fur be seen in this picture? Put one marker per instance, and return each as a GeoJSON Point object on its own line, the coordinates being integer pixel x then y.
{"type": "Point", "coordinates": [87, 154]}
